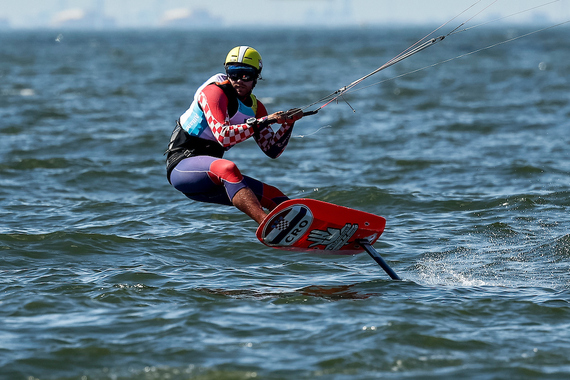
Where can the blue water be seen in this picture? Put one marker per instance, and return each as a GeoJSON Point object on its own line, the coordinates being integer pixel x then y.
{"type": "Point", "coordinates": [107, 272]}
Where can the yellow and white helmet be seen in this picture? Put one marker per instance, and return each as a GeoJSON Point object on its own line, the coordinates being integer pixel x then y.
{"type": "Point", "coordinates": [245, 55]}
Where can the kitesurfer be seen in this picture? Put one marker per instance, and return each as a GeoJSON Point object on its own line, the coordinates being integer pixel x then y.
{"type": "Point", "coordinates": [224, 113]}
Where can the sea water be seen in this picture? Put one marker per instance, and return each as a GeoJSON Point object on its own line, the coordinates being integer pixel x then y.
{"type": "Point", "coordinates": [107, 272]}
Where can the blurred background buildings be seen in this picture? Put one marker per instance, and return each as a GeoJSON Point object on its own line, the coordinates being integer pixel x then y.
{"type": "Point", "coordinates": [103, 14]}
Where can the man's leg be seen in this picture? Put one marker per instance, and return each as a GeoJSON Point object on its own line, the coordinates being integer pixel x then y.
{"type": "Point", "coordinates": [246, 201]}
{"type": "Point", "coordinates": [210, 179]}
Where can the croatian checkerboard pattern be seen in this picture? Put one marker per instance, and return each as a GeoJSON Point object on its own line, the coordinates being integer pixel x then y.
{"type": "Point", "coordinates": [229, 135]}
{"type": "Point", "coordinates": [281, 224]}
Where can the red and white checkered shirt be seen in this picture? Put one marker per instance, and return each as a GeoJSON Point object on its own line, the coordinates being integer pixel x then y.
{"type": "Point", "coordinates": [214, 104]}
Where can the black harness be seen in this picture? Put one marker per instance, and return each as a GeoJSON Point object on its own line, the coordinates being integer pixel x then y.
{"type": "Point", "coordinates": [182, 145]}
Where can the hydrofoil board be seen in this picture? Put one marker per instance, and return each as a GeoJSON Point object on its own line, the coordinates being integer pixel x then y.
{"type": "Point", "coordinates": [320, 227]}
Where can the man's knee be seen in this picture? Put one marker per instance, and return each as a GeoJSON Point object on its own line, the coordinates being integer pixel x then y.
{"type": "Point", "coordinates": [226, 170]}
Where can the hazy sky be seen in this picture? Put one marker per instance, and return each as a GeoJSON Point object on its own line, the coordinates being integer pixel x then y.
{"type": "Point", "coordinates": [140, 13]}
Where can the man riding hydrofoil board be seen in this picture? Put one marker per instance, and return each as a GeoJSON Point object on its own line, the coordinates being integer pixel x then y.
{"type": "Point", "coordinates": [224, 113]}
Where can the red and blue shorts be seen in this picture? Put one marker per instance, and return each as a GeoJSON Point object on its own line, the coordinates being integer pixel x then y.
{"type": "Point", "coordinates": [217, 180]}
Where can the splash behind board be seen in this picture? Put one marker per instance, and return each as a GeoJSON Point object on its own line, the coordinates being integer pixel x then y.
{"type": "Point", "coordinates": [321, 227]}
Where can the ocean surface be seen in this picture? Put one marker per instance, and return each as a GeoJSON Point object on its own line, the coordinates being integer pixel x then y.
{"type": "Point", "coordinates": [107, 272]}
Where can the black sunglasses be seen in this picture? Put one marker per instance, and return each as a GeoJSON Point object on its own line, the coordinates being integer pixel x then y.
{"type": "Point", "coordinates": [246, 74]}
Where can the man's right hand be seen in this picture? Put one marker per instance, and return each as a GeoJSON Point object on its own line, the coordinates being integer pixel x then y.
{"type": "Point", "coordinates": [277, 117]}
{"type": "Point", "coordinates": [282, 117]}
{"type": "Point", "coordinates": [293, 115]}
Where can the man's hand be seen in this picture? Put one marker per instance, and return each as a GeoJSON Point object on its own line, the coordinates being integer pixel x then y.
{"type": "Point", "coordinates": [277, 117]}
{"type": "Point", "coordinates": [282, 117]}
{"type": "Point", "coordinates": [293, 115]}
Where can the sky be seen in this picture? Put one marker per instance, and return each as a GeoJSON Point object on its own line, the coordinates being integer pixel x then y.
{"type": "Point", "coordinates": [156, 13]}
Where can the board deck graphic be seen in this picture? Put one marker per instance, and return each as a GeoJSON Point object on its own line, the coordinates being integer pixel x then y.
{"type": "Point", "coordinates": [320, 227]}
